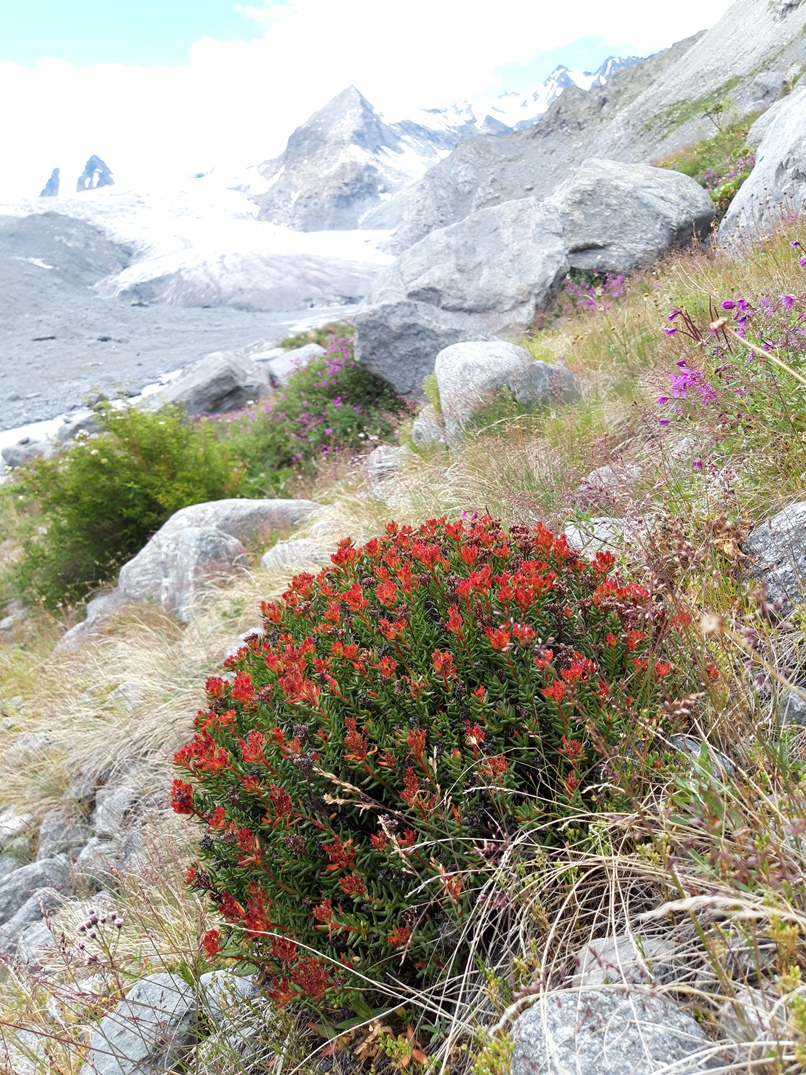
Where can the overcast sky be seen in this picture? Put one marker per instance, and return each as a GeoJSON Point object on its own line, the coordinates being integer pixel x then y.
{"type": "Point", "coordinates": [167, 88]}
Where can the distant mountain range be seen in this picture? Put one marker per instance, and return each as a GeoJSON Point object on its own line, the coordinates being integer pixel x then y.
{"type": "Point", "coordinates": [341, 166]}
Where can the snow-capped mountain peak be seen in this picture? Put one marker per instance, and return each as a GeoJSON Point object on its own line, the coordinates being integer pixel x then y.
{"type": "Point", "coordinates": [344, 163]}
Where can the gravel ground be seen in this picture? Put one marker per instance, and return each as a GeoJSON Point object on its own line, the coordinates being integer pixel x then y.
{"type": "Point", "coordinates": [60, 342]}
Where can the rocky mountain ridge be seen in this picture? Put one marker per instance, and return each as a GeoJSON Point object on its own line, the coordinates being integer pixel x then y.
{"type": "Point", "coordinates": [743, 64]}
{"type": "Point", "coordinates": [344, 163]}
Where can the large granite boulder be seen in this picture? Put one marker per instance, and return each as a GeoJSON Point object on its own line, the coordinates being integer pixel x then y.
{"type": "Point", "coordinates": [146, 1032]}
{"type": "Point", "coordinates": [176, 570]}
{"type": "Point", "coordinates": [399, 340]}
{"type": "Point", "coordinates": [473, 376]}
{"type": "Point", "coordinates": [777, 554]}
{"type": "Point", "coordinates": [297, 553]}
{"type": "Point", "coordinates": [617, 217]}
{"type": "Point", "coordinates": [499, 263]}
{"type": "Point", "coordinates": [219, 382]}
{"type": "Point", "coordinates": [200, 545]}
{"type": "Point", "coordinates": [776, 188]}
{"type": "Point", "coordinates": [609, 1032]}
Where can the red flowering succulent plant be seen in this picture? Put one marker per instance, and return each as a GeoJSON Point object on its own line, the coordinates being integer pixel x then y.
{"type": "Point", "coordinates": [403, 715]}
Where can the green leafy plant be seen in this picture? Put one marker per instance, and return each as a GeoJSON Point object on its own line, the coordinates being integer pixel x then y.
{"type": "Point", "coordinates": [331, 405]}
{"type": "Point", "coordinates": [95, 505]}
{"type": "Point", "coordinates": [405, 714]}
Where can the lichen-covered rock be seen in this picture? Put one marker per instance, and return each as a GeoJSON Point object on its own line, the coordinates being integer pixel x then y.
{"type": "Point", "coordinates": [609, 1032]}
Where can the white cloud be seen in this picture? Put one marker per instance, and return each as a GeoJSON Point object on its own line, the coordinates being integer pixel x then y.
{"type": "Point", "coordinates": [236, 102]}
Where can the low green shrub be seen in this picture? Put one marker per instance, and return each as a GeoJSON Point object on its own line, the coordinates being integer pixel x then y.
{"type": "Point", "coordinates": [331, 405]}
{"type": "Point", "coordinates": [406, 714]}
{"type": "Point", "coordinates": [96, 504]}
{"type": "Point", "coordinates": [720, 163]}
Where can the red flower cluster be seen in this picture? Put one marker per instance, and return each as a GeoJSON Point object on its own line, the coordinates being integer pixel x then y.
{"type": "Point", "coordinates": [403, 710]}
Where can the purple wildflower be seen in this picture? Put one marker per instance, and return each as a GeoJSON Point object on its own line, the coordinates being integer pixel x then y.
{"type": "Point", "coordinates": [728, 304]}
{"type": "Point", "coordinates": [663, 399]}
{"type": "Point", "coordinates": [697, 464]}
{"type": "Point", "coordinates": [787, 302]}
{"type": "Point", "coordinates": [673, 315]}
{"type": "Point", "coordinates": [670, 331]}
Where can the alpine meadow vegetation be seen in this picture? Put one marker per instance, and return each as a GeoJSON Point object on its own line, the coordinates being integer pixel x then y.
{"type": "Point", "coordinates": [440, 768]}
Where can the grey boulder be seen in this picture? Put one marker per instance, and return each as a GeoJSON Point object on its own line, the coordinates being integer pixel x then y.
{"type": "Point", "coordinates": [26, 449]}
{"type": "Point", "coordinates": [34, 941]}
{"type": "Point", "coordinates": [225, 996]}
{"type": "Point", "coordinates": [147, 1032]}
{"type": "Point", "coordinates": [382, 464]}
{"type": "Point", "coordinates": [100, 608]}
{"type": "Point", "coordinates": [13, 823]}
{"type": "Point", "coordinates": [200, 545]}
{"type": "Point", "coordinates": [499, 263]}
{"type": "Point", "coordinates": [777, 554]}
{"type": "Point", "coordinates": [609, 484]}
{"type": "Point", "coordinates": [85, 421]}
{"type": "Point", "coordinates": [776, 187]}
{"type": "Point", "coordinates": [111, 807]}
{"type": "Point", "coordinates": [297, 553]}
{"type": "Point", "coordinates": [19, 886]}
{"type": "Point", "coordinates": [623, 958]}
{"type": "Point", "coordinates": [98, 864]}
{"type": "Point", "coordinates": [399, 340]}
{"type": "Point", "coordinates": [616, 217]}
{"type": "Point", "coordinates": [609, 1032]}
{"type": "Point", "coordinates": [43, 902]}
{"type": "Point", "coordinates": [472, 376]}
{"type": "Point", "coordinates": [428, 429]}
{"type": "Point", "coordinates": [603, 533]}
{"type": "Point", "coordinates": [219, 382]}
{"type": "Point", "coordinates": [246, 520]}
{"type": "Point", "coordinates": [62, 831]}
{"type": "Point", "coordinates": [282, 366]}
{"type": "Point", "coordinates": [176, 572]}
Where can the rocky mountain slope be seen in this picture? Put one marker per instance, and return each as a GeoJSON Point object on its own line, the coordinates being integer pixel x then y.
{"type": "Point", "coordinates": [744, 63]}
{"type": "Point", "coordinates": [346, 160]}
